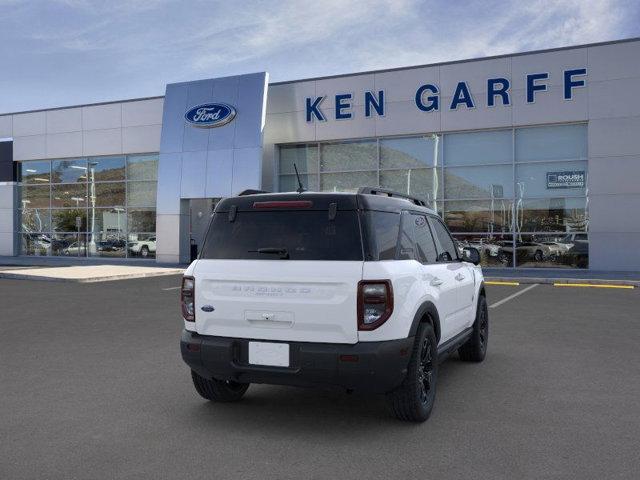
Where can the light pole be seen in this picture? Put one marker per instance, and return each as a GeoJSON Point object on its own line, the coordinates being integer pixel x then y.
{"type": "Point", "coordinates": [92, 174]}
{"type": "Point", "coordinates": [436, 140]}
{"type": "Point", "coordinates": [92, 196]}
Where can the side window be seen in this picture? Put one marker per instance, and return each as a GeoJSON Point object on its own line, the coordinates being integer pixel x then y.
{"type": "Point", "coordinates": [426, 249]}
{"type": "Point", "coordinates": [406, 242]}
{"type": "Point", "coordinates": [383, 230]}
{"type": "Point", "coordinates": [447, 251]}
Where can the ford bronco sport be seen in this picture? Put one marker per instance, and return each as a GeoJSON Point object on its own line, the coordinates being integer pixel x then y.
{"type": "Point", "coordinates": [364, 291]}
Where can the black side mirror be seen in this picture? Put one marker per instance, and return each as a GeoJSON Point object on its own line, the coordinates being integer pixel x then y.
{"type": "Point", "coordinates": [471, 255]}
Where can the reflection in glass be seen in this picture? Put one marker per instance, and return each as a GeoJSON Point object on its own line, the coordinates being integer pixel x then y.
{"type": "Point", "coordinates": [93, 190]}
{"type": "Point", "coordinates": [141, 194]}
{"type": "Point", "coordinates": [478, 182]}
{"type": "Point", "coordinates": [304, 156]}
{"type": "Point", "coordinates": [69, 171]}
{"type": "Point", "coordinates": [35, 244]}
{"type": "Point", "coordinates": [552, 250]}
{"type": "Point", "coordinates": [65, 220]}
{"type": "Point", "coordinates": [35, 172]}
{"type": "Point", "coordinates": [552, 215]}
{"type": "Point", "coordinates": [109, 194]}
{"type": "Point", "coordinates": [142, 245]}
{"type": "Point", "coordinates": [107, 168]}
{"type": "Point", "coordinates": [532, 181]}
{"type": "Point", "coordinates": [35, 196]}
{"type": "Point", "coordinates": [69, 245]}
{"type": "Point", "coordinates": [347, 182]}
{"type": "Point", "coordinates": [142, 220]}
{"type": "Point", "coordinates": [35, 220]}
{"type": "Point", "coordinates": [478, 148]}
{"type": "Point", "coordinates": [479, 216]}
{"type": "Point", "coordinates": [558, 142]}
{"type": "Point", "coordinates": [422, 183]}
{"type": "Point", "coordinates": [495, 250]}
{"type": "Point", "coordinates": [412, 152]}
{"type": "Point", "coordinates": [289, 183]}
{"type": "Point", "coordinates": [349, 156]}
{"type": "Point", "coordinates": [142, 167]}
{"type": "Point", "coordinates": [69, 195]}
{"type": "Point", "coordinates": [108, 223]}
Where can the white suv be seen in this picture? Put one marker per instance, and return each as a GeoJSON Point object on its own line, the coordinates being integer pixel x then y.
{"type": "Point", "coordinates": [364, 291]}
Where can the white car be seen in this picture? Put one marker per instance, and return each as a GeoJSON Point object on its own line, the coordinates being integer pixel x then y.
{"type": "Point", "coordinates": [143, 247]}
{"type": "Point", "coordinates": [364, 291]}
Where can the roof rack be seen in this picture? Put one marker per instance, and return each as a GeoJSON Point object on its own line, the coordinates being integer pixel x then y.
{"type": "Point", "coordinates": [391, 193]}
{"type": "Point", "coordinates": [251, 191]}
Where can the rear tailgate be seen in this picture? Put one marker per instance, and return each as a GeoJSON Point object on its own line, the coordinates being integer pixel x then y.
{"type": "Point", "coordinates": [310, 301]}
{"type": "Point", "coordinates": [281, 267]}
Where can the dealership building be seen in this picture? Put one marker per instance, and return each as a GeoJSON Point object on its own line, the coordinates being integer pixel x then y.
{"type": "Point", "coordinates": [534, 158]}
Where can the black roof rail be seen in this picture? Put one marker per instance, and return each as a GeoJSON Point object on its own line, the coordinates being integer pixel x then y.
{"type": "Point", "coordinates": [391, 193]}
{"type": "Point", "coordinates": [251, 191]}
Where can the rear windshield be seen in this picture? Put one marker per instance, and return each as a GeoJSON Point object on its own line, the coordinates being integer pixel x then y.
{"type": "Point", "coordinates": [284, 235]}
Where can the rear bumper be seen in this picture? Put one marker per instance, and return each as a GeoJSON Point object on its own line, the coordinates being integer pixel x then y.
{"type": "Point", "coordinates": [376, 367]}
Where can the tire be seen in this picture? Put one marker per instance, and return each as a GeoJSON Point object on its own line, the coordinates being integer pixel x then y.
{"type": "Point", "coordinates": [218, 390]}
{"type": "Point", "coordinates": [538, 256]}
{"type": "Point", "coordinates": [413, 400]}
{"type": "Point", "coordinates": [144, 251]}
{"type": "Point", "coordinates": [475, 349]}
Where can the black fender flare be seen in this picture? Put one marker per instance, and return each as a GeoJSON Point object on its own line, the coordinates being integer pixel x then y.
{"type": "Point", "coordinates": [426, 310]}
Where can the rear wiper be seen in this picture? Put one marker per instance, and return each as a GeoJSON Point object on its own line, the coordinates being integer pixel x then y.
{"type": "Point", "coordinates": [284, 254]}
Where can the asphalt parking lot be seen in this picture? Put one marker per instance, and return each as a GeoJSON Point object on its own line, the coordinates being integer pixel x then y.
{"type": "Point", "coordinates": [92, 386]}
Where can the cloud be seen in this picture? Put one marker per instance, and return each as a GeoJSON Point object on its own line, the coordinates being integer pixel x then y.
{"type": "Point", "coordinates": [79, 51]}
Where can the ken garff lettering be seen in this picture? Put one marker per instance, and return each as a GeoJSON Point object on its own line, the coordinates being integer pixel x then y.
{"type": "Point", "coordinates": [427, 96]}
{"type": "Point", "coordinates": [210, 115]}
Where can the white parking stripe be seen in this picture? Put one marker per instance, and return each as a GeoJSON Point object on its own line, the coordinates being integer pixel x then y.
{"type": "Point", "coordinates": [171, 288]}
{"type": "Point", "coordinates": [511, 297]}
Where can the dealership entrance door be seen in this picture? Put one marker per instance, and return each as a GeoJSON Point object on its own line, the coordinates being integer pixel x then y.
{"type": "Point", "coordinates": [200, 211]}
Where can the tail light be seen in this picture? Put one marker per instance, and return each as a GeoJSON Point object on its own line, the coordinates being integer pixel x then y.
{"type": "Point", "coordinates": [375, 303]}
{"type": "Point", "coordinates": [187, 299]}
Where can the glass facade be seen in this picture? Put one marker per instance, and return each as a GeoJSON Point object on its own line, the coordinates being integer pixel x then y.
{"type": "Point", "coordinates": [95, 206]}
{"type": "Point", "coordinates": [518, 195]}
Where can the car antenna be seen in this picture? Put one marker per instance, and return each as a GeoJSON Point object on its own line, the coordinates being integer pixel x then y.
{"type": "Point", "coordinates": [300, 187]}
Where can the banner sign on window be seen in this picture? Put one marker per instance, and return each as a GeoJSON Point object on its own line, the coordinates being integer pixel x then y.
{"type": "Point", "coordinates": [569, 179]}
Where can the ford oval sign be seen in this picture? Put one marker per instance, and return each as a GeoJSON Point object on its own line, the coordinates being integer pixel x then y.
{"type": "Point", "coordinates": [210, 115]}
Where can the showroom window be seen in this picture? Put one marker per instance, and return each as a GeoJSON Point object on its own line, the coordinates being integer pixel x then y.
{"type": "Point", "coordinates": [518, 195]}
{"type": "Point", "coordinates": [95, 206]}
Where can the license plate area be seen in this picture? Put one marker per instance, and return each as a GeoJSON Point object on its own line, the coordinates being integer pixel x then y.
{"type": "Point", "coordinates": [269, 354]}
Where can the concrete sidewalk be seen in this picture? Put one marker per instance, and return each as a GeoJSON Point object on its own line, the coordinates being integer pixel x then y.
{"type": "Point", "coordinates": [33, 261]}
{"type": "Point", "coordinates": [551, 276]}
{"type": "Point", "coordinates": [85, 273]}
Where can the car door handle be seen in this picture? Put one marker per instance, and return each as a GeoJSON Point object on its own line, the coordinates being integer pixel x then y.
{"type": "Point", "coordinates": [436, 282]}
{"type": "Point", "coordinates": [459, 277]}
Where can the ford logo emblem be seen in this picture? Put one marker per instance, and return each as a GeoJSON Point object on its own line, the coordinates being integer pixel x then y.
{"type": "Point", "coordinates": [210, 115]}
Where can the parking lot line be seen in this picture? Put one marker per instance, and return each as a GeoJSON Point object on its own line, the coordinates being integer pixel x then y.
{"type": "Point", "coordinates": [171, 288]}
{"type": "Point", "coordinates": [511, 297]}
{"type": "Point", "coordinates": [592, 285]}
{"type": "Point", "coordinates": [491, 282]}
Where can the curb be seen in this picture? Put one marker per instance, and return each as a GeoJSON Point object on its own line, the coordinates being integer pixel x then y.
{"type": "Point", "coordinates": [551, 281]}
{"type": "Point", "coordinates": [21, 276]}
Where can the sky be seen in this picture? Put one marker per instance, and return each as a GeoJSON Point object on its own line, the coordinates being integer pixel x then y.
{"type": "Point", "coordinates": [69, 52]}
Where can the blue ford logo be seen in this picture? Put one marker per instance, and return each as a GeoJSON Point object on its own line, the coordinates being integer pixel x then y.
{"type": "Point", "coordinates": [210, 115]}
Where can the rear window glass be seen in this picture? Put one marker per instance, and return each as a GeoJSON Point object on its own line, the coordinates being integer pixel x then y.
{"type": "Point", "coordinates": [274, 235]}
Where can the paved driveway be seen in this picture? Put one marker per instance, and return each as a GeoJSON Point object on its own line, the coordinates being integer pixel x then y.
{"type": "Point", "coordinates": [92, 386]}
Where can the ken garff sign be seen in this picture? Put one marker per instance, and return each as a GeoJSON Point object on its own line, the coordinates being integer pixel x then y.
{"type": "Point", "coordinates": [567, 179]}
{"type": "Point", "coordinates": [210, 115]}
{"type": "Point", "coordinates": [427, 96]}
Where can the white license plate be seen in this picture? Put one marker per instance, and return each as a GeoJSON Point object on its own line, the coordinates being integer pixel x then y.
{"type": "Point", "coordinates": [267, 353]}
